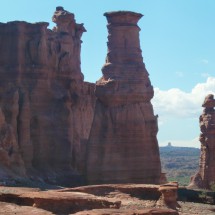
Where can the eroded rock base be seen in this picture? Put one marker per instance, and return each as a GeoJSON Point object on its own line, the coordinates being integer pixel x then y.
{"type": "Point", "coordinates": [93, 200]}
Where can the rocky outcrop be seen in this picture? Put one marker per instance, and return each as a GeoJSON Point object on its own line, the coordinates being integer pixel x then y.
{"type": "Point", "coordinates": [122, 146]}
{"type": "Point", "coordinates": [47, 108]}
{"type": "Point", "coordinates": [154, 211]}
{"type": "Point", "coordinates": [100, 199]}
{"type": "Point", "coordinates": [205, 177]}
{"type": "Point", "coordinates": [169, 196]}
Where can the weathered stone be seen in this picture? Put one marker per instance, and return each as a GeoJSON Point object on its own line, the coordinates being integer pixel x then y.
{"type": "Point", "coordinates": [47, 106]}
{"type": "Point", "coordinates": [147, 211]}
{"type": "Point", "coordinates": [11, 209]}
{"type": "Point", "coordinates": [169, 196]}
{"type": "Point", "coordinates": [10, 157]}
{"type": "Point", "coordinates": [21, 200]}
{"type": "Point", "coordinates": [56, 202]}
{"type": "Point", "coordinates": [122, 146]}
{"type": "Point", "coordinates": [205, 177]}
{"type": "Point", "coordinates": [141, 191]}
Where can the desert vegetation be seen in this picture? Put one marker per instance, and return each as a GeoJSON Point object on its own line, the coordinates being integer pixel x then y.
{"type": "Point", "coordinates": [179, 163]}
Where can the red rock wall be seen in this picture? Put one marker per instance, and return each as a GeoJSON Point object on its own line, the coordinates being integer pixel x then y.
{"type": "Point", "coordinates": [122, 146]}
{"type": "Point", "coordinates": [48, 108]}
{"type": "Point", "coordinates": [48, 130]}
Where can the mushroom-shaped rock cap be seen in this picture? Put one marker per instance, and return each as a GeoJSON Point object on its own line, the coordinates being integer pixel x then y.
{"type": "Point", "coordinates": [169, 186]}
{"type": "Point", "coordinates": [123, 17]}
{"type": "Point", "coordinates": [165, 188]}
{"type": "Point", "coordinates": [209, 101]}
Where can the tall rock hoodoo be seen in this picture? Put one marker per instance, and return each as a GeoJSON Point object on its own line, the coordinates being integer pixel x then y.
{"type": "Point", "coordinates": [122, 146]}
{"type": "Point", "coordinates": [47, 108]}
{"type": "Point", "coordinates": [205, 177]}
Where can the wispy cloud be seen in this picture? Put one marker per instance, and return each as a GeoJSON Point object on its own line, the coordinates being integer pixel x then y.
{"type": "Point", "coordinates": [179, 74]}
{"type": "Point", "coordinates": [205, 75]}
{"type": "Point", "coordinates": [204, 61]}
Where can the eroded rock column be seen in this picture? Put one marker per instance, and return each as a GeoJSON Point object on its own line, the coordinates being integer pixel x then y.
{"type": "Point", "coordinates": [46, 105]}
{"type": "Point", "coordinates": [205, 177]}
{"type": "Point", "coordinates": [123, 147]}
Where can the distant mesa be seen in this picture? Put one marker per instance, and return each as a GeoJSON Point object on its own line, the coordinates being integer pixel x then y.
{"type": "Point", "coordinates": [169, 145]}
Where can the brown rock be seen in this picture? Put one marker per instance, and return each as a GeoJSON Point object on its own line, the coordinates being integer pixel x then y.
{"type": "Point", "coordinates": [131, 200]}
{"type": "Point", "coordinates": [169, 195]}
{"type": "Point", "coordinates": [129, 212]}
{"type": "Point", "coordinates": [205, 177]}
{"type": "Point", "coordinates": [141, 191]}
{"type": "Point", "coordinates": [10, 157]}
{"type": "Point", "coordinates": [13, 209]}
{"type": "Point", "coordinates": [122, 146]}
{"type": "Point", "coordinates": [56, 202]}
{"type": "Point", "coordinates": [47, 106]}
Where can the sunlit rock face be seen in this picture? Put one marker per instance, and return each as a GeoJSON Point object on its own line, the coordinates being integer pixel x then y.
{"type": "Point", "coordinates": [205, 177]}
{"type": "Point", "coordinates": [47, 108]}
{"type": "Point", "coordinates": [122, 146]}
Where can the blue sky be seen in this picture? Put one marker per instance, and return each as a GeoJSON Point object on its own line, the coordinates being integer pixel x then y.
{"type": "Point", "coordinates": [178, 45]}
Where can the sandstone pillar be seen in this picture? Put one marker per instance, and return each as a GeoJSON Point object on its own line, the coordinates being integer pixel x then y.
{"type": "Point", "coordinates": [205, 177]}
{"type": "Point", "coordinates": [123, 147]}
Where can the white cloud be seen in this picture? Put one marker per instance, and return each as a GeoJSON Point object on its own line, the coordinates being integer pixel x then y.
{"type": "Point", "coordinates": [175, 103]}
{"type": "Point", "coordinates": [182, 143]}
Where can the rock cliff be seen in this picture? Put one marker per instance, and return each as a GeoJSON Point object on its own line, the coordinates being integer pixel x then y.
{"type": "Point", "coordinates": [48, 129]}
{"type": "Point", "coordinates": [122, 146]}
{"type": "Point", "coordinates": [205, 177]}
{"type": "Point", "coordinates": [46, 107]}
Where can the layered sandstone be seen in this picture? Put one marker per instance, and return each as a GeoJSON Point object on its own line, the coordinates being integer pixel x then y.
{"type": "Point", "coordinates": [105, 199]}
{"type": "Point", "coordinates": [169, 195]}
{"type": "Point", "coordinates": [122, 146]}
{"type": "Point", "coordinates": [205, 177]}
{"type": "Point", "coordinates": [47, 108]}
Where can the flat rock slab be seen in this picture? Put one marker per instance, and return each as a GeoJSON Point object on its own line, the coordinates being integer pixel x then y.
{"type": "Point", "coordinates": [129, 212]}
{"type": "Point", "coordinates": [56, 202]}
{"type": "Point", "coordinates": [145, 191]}
{"type": "Point", "coordinates": [115, 199]}
{"type": "Point", "coordinates": [13, 209]}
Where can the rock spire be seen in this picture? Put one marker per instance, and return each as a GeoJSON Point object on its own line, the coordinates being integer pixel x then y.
{"type": "Point", "coordinates": [205, 177]}
{"type": "Point", "coordinates": [122, 146]}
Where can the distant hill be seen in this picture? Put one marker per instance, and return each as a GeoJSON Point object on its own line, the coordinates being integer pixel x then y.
{"type": "Point", "coordinates": [179, 163]}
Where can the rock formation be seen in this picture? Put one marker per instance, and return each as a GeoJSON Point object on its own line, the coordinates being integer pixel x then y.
{"type": "Point", "coordinates": [205, 177]}
{"type": "Point", "coordinates": [169, 196]}
{"type": "Point", "coordinates": [47, 108]}
{"type": "Point", "coordinates": [103, 199]}
{"type": "Point", "coordinates": [122, 146]}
